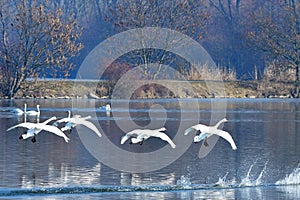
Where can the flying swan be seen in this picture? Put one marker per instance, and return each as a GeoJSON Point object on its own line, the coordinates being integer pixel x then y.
{"type": "Point", "coordinates": [140, 135]}
{"type": "Point", "coordinates": [35, 128]}
{"type": "Point", "coordinates": [208, 131]}
{"type": "Point", "coordinates": [71, 122]}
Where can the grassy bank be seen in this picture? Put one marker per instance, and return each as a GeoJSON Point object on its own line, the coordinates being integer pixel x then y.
{"type": "Point", "coordinates": [163, 89]}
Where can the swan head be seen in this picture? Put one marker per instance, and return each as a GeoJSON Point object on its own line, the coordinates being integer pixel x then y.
{"type": "Point", "coordinates": [199, 138]}
{"type": "Point", "coordinates": [224, 120]}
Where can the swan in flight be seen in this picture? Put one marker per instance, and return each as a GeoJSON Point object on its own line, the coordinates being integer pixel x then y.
{"type": "Point", "coordinates": [71, 122]}
{"type": "Point", "coordinates": [208, 131]}
{"type": "Point", "coordinates": [140, 135]}
{"type": "Point", "coordinates": [34, 112]}
{"type": "Point", "coordinates": [35, 128]}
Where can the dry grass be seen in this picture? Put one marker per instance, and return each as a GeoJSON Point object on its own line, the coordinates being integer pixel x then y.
{"type": "Point", "coordinates": [171, 89]}
{"type": "Point", "coordinates": [204, 72]}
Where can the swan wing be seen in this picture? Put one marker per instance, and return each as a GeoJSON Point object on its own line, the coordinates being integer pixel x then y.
{"type": "Point", "coordinates": [31, 112]}
{"type": "Point", "coordinates": [89, 125]}
{"type": "Point", "coordinates": [226, 136]}
{"type": "Point", "coordinates": [197, 127]}
{"type": "Point", "coordinates": [161, 129]}
{"type": "Point", "coordinates": [49, 120]}
{"type": "Point", "coordinates": [165, 137]}
{"type": "Point", "coordinates": [63, 120]}
{"type": "Point", "coordinates": [27, 125]}
{"type": "Point", "coordinates": [187, 131]}
{"type": "Point", "coordinates": [56, 131]}
{"type": "Point", "coordinates": [128, 135]}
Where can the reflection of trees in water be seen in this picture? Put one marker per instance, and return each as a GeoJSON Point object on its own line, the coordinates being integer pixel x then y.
{"type": "Point", "coordinates": [63, 176]}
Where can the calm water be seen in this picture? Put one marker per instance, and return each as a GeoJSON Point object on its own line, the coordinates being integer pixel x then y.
{"type": "Point", "coordinates": [265, 165]}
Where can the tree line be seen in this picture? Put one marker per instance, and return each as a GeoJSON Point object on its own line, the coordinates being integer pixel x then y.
{"type": "Point", "coordinates": [257, 39]}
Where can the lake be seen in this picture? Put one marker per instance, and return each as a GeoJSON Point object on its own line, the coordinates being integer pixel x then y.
{"type": "Point", "coordinates": [264, 166]}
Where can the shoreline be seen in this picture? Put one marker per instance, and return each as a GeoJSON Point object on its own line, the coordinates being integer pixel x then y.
{"type": "Point", "coordinates": [54, 89]}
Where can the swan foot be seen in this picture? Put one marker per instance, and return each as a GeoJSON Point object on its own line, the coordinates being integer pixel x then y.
{"type": "Point", "coordinates": [21, 137]}
{"type": "Point", "coordinates": [141, 142]}
{"type": "Point", "coordinates": [33, 140]}
{"type": "Point", "coordinates": [205, 143]}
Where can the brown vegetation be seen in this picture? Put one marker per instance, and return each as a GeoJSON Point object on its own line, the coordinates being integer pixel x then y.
{"type": "Point", "coordinates": [233, 89]}
{"type": "Point", "coordinates": [34, 40]}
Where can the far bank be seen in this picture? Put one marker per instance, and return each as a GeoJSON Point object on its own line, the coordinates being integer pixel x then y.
{"type": "Point", "coordinates": [164, 89]}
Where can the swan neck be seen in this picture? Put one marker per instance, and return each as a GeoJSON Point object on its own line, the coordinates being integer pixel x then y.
{"type": "Point", "coordinates": [219, 123]}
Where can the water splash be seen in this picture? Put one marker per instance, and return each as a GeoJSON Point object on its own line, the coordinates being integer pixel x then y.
{"type": "Point", "coordinates": [222, 182]}
{"type": "Point", "coordinates": [258, 180]}
{"type": "Point", "coordinates": [184, 182]}
{"type": "Point", "coordinates": [291, 179]}
{"type": "Point", "coordinates": [247, 181]}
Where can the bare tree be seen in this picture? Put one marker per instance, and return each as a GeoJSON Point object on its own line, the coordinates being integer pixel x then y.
{"type": "Point", "coordinates": [226, 35]}
{"type": "Point", "coordinates": [276, 32]}
{"type": "Point", "coordinates": [187, 16]}
{"type": "Point", "coordinates": [33, 40]}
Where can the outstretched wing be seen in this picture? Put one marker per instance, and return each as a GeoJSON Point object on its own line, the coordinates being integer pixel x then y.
{"type": "Point", "coordinates": [89, 125]}
{"type": "Point", "coordinates": [227, 137]}
{"type": "Point", "coordinates": [63, 120]}
{"type": "Point", "coordinates": [27, 125]}
{"type": "Point", "coordinates": [198, 127]}
{"type": "Point", "coordinates": [128, 135]}
{"type": "Point", "coordinates": [165, 137]}
{"type": "Point", "coordinates": [56, 131]}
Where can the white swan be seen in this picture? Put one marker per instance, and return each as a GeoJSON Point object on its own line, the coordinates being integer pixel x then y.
{"type": "Point", "coordinates": [19, 111]}
{"type": "Point", "coordinates": [208, 131]}
{"type": "Point", "coordinates": [34, 112]}
{"type": "Point", "coordinates": [107, 107]}
{"type": "Point", "coordinates": [35, 128]}
{"type": "Point", "coordinates": [140, 135]}
{"type": "Point", "coordinates": [71, 122]}
{"type": "Point", "coordinates": [63, 120]}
